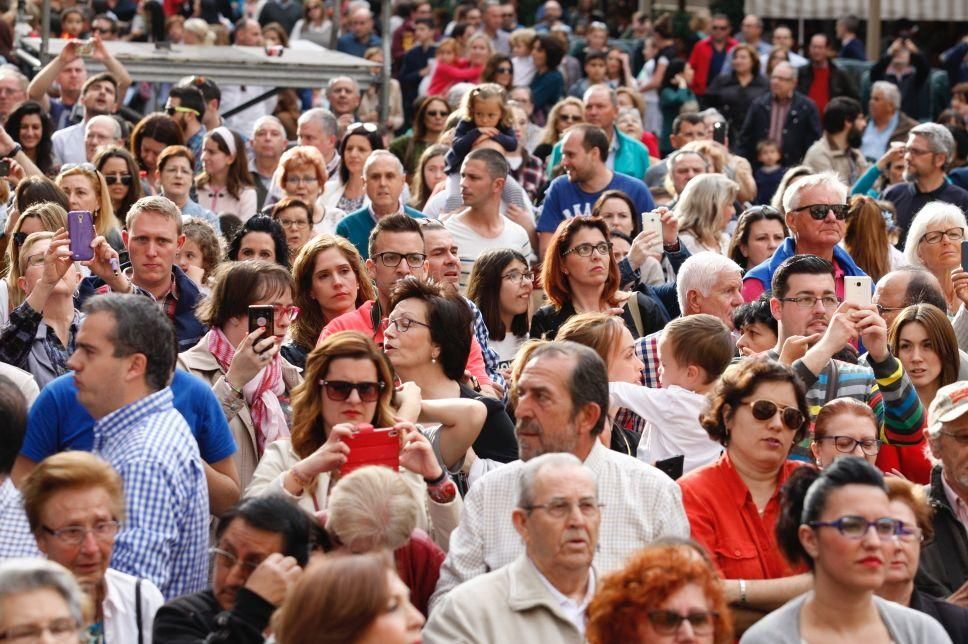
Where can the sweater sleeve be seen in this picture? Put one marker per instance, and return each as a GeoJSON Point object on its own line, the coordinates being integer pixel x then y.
{"type": "Point", "coordinates": [507, 139]}
{"type": "Point", "coordinates": [866, 180]}
{"type": "Point", "coordinates": [904, 416]}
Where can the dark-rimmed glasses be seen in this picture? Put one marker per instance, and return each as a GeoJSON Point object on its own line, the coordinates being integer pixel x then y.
{"type": "Point", "coordinates": [391, 259]}
{"type": "Point", "coordinates": [846, 444]}
{"type": "Point", "coordinates": [667, 622]}
{"type": "Point", "coordinates": [956, 235]}
{"type": "Point", "coordinates": [559, 508]}
{"type": "Point", "coordinates": [340, 390]}
{"type": "Point", "coordinates": [518, 276]}
{"type": "Point", "coordinates": [767, 409]}
{"type": "Point", "coordinates": [585, 250]}
{"type": "Point", "coordinates": [819, 211]}
{"type": "Point", "coordinates": [810, 301]}
{"type": "Point", "coordinates": [855, 527]}
{"type": "Point", "coordinates": [403, 324]}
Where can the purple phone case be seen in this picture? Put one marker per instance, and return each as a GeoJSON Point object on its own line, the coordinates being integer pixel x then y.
{"type": "Point", "coordinates": [80, 228]}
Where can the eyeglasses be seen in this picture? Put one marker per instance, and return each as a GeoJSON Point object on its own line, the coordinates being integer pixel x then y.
{"type": "Point", "coordinates": [761, 210]}
{"type": "Point", "coordinates": [369, 127]}
{"type": "Point", "coordinates": [403, 324]}
{"type": "Point", "coordinates": [570, 118]}
{"type": "Point", "coordinates": [64, 629]}
{"type": "Point", "coordinates": [667, 622]}
{"type": "Point", "coordinates": [114, 179]}
{"type": "Point", "coordinates": [392, 260]}
{"type": "Point", "coordinates": [909, 534]}
{"type": "Point", "coordinates": [437, 113]}
{"type": "Point", "coordinates": [36, 259]}
{"type": "Point", "coordinates": [935, 237]}
{"type": "Point", "coordinates": [229, 560]}
{"type": "Point", "coordinates": [176, 169]}
{"type": "Point", "coordinates": [810, 301]}
{"type": "Point", "coordinates": [307, 180]}
{"type": "Point", "coordinates": [340, 390]}
{"type": "Point", "coordinates": [74, 535]}
{"type": "Point", "coordinates": [502, 70]}
{"type": "Point", "coordinates": [854, 527]}
{"type": "Point", "coordinates": [19, 239]}
{"type": "Point", "coordinates": [961, 439]}
{"type": "Point", "coordinates": [846, 444]}
{"type": "Point", "coordinates": [559, 508]}
{"type": "Point", "coordinates": [171, 110]}
{"type": "Point", "coordinates": [767, 409]}
{"type": "Point", "coordinates": [888, 309]}
{"type": "Point", "coordinates": [290, 311]}
{"type": "Point", "coordinates": [916, 152]}
{"type": "Point", "coordinates": [819, 211]}
{"type": "Point", "coordinates": [294, 223]}
{"type": "Point", "coordinates": [518, 276]}
{"type": "Point", "coordinates": [585, 250]}
{"type": "Point", "coordinates": [9, 91]}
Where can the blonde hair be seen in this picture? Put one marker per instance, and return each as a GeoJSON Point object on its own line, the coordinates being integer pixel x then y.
{"type": "Point", "coordinates": [51, 217]}
{"type": "Point", "coordinates": [104, 219]}
{"type": "Point", "coordinates": [30, 242]}
{"type": "Point", "coordinates": [71, 470]}
{"type": "Point", "coordinates": [373, 505]}
{"type": "Point", "coordinates": [550, 134]}
{"type": "Point", "coordinates": [700, 206]}
{"type": "Point", "coordinates": [524, 36]}
{"type": "Point", "coordinates": [485, 92]}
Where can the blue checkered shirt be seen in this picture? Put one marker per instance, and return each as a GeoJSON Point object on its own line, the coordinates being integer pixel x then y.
{"type": "Point", "coordinates": [492, 361]}
{"type": "Point", "coordinates": [16, 539]}
{"type": "Point", "coordinates": [165, 533]}
{"type": "Point", "coordinates": [646, 348]}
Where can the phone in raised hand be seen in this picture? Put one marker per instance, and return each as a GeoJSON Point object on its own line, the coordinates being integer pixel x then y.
{"type": "Point", "coordinates": [857, 290]}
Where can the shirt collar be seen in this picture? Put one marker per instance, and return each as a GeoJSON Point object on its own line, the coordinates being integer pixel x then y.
{"type": "Point", "coordinates": [172, 289]}
{"type": "Point", "coordinates": [400, 211]}
{"type": "Point", "coordinates": [120, 420]}
{"type": "Point", "coordinates": [567, 604]}
{"type": "Point", "coordinates": [958, 505]}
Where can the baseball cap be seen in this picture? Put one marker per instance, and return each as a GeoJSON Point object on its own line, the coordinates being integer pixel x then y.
{"type": "Point", "coordinates": [950, 403]}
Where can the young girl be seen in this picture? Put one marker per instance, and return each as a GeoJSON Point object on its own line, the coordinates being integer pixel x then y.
{"type": "Point", "coordinates": [450, 69]}
{"type": "Point", "coordinates": [225, 184]}
{"type": "Point", "coordinates": [521, 61]}
{"type": "Point", "coordinates": [483, 112]}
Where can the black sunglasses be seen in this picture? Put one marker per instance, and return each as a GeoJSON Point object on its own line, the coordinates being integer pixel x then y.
{"type": "Point", "coordinates": [819, 211]}
{"type": "Point", "coordinates": [112, 179]}
{"type": "Point", "coordinates": [19, 239]}
{"type": "Point", "coordinates": [767, 409]}
{"type": "Point", "coordinates": [340, 390]}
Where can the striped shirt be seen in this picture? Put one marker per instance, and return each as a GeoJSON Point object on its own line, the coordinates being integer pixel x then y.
{"type": "Point", "coordinates": [16, 540]}
{"type": "Point", "coordinates": [165, 533]}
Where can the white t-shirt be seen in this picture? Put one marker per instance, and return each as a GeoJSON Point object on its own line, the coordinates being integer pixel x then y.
{"type": "Point", "coordinates": [471, 245]}
{"type": "Point", "coordinates": [507, 348]}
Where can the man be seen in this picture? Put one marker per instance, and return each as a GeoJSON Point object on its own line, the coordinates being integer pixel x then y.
{"type": "Point", "coordinates": [383, 180]}
{"type": "Point", "coordinates": [509, 15]}
{"type": "Point", "coordinates": [838, 149]}
{"type": "Point", "coordinates": [416, 63]}
{"type": "Point", "coordinates": [248, 33]}
{"type": "Point", "coordinates": [822, 80]}
{"type": "Point", "coordinates": [284, 12]}
{"type": "Point", "coordinates": [685, 128]}
{"type": "Point", "coordinates": [261, 546]}
{"type": "Point", "coordinates": [624, 154]}
{"type": "Point", "coordinates": [494, 27]}
{"type": "Point", "coordinates": [101, 130]}
{"type": "Point", "coordinates": [268, 143]}
{"type": "Point", "coordinates": [13, 91]}
{"type": "Point", "coordinates": [562, 407]}
{"type": "Point", "coordinates": [343, 95]}
{"type": "Point", "coordinates": [783, 37]}
{"type": "Point", "coordinates": [318, 128]}
{"type": "Point", "coordinates": [751, 31]}
{"type": "Point", "coordinates": [542, 595]}
{"type": "Point", "coordinates": [99, 96]}
{"type": "Point", "coordinates": [186, 106]}
{"type": "Point", "coordinates": [123, 363]}
{"type": "Point", "coordinates": [480, 226]}
{"type": "Point", "coordinates": [213, 99]}
{"type": "Point", "coordinates": [683, 165]}
{"type": "Point", "coordinates": [929, 152]}
{"type": "Point", "coordinates": [851, 47]}
{"type": "Point", "coordinates": [887, 123]}
{"type": "Point", "coordinates": [709, 54]}
{"type": "Point", "coordinates": [360, 36]}
{"type": "Point", "coordinates": [809, 318]}
{"type": "Point", "coordinates": [405, 36]}
{"type": "Point", "coordinates": [153, 237]}
{"type": "Point", "coordinates": [783, 115]}
{"type": "Point", "coordinates": [105, 25]}
{"type": "Point", "coordinates": [904, 65]}
{"type": "Point", "coordinates": [584, 152]}
{"type": "Point", "coordinates": [16, 539]}
{"type": "Point", "coordinates": [814, 231]}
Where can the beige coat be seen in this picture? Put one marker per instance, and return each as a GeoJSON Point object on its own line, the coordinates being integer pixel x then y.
{"type": "Point", "coordinates": [199, 361]}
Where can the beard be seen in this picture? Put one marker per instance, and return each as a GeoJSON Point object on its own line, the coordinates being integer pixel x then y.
{"type": "Point", "coordinates": [854, 138]}
{"type": "Point", "coordinates": [537, 441]}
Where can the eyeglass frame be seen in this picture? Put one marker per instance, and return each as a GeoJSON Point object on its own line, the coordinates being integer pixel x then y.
{"type": "Point", "coordinates": [246, 565]}
{"type": "Point", "coordinates": [710, 615]}
{"type": "Point", "coordinates": [828, 208]}
{"type": "Point", "coordinates": [592, 248]}
{"type": "Point", "coordinates": [31, 632]}
{"type": "Point", "coordinates": [839, 525]}
{"type": "Point", "coordinates": [519, 276]}
{"type": "Point", "coordinates": [381, 257]}
{"type": "Point", "coordinates": [823, 298]}
{"type": "Point", "coordinates": [353, 386]}
{"type": "Point", "coordinates": [402, 328]}
{"type": "Point", "coordinates": [553, 509]}
{"type": "Point", "coordinates": [875, 442]}
{"type": "Point", "coordinates": [61, 533]}
{"type": "Point", "coordinates": [943, 234]}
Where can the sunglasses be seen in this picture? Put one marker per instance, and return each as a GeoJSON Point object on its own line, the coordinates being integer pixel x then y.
{"type": "Point", "coordinates": [436, 113]}
{"type": "Point", "coordinates": [819, 211]}
{"type": "Point", "coordinates": [19, 239]}
{"type": "Point", "coordinates": [172, 110]}
{"type": "Point", "coordinates": [369, 127]}
{"type": "Point", "coordinates": [87, 167]}
{"type": "Point", "coordinates": [340, 390]}
{"type": "Point", "coordinates": [113, 179]}
{"type": "Point", "coordinates": [503, 70]}
{"type": "Point", "coordinates": [767, 409]}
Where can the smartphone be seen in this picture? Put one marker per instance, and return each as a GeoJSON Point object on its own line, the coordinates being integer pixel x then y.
{"type": "Point", "coordinates": [672, 466]}
{"type": "Point", "coordinates": [85, 47]}
{"type": "Point", "coordinates": [262, 315]}
{"type": "Point", "coordinates": [652, 221]}
{"type": "Point", "coordinates": [720, 131]}
{"type": "Point", "coordinates": [4, 167]}
{"type": "Point", "coordinates": [964, 255]}
{"type": "Point", "coordinates": [857, 290]}
{"type": "Point", "coordinates": [80, 229]}
{"type": "Point", "coordinates": [369, 446]}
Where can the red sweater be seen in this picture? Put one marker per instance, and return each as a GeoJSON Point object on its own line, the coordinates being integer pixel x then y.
{"type": "Point", "coordinates": [447, 75]}
{"type": "Point", "coordinates": [700, 59]}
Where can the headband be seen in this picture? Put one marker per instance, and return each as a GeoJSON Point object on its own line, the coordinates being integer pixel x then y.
{"type": "Point", "coordinates": [226, 135]}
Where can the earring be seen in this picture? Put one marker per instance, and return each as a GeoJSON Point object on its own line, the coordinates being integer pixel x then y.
{"type": "Point", "coordinates": [819, 464]}
{"type": "Point", "coordinates": [433, 359]}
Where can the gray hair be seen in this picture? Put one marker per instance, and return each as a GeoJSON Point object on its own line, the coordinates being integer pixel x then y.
{"type": "Point", "coordinates": [791, 197]}
{"type": "Point", "coordinates": [376, 155]}
{"type": "Point", "coordinates": [712, 112]}
{"type": "Point", "coordinates": [9, 72]}
{"type": "Point", "coordinates": [156, 204]}
{"type": "Point", "coordinates": [601, 87]}
{"type": "Point", "coordinates": [271, 120]}
{"type": "Point", "coordinates": [373, 505]}
{"type": "Point", "coordinates": [140, 326]}
{"type": "Point", "coordinates": [890, 91]}
{"type": "Point", "coordinates": [533, 467]}
{"type": "Point", "coordinates": [336, 79]}
{"type": "Point", "coordinates": [793, 68]}
{"type": "Point", "coordinates": [322, 116]}
{"type": "Point", "coordinates": [455, 95]}
{"type": "Point", "coordinates": [104, 118]}
{"type": "Point", "coordinates": [699, 273]}
{"type": "Point", "coordinates": [935, 212]}
{"type": "Point", "coordinates": [940, 140]}
{"type": "Point", "coordinates": [589, 377]}
{"type": "Point", "coordinates": [31, 574]}
{"type": "Point", "coordinates": [674, 157]}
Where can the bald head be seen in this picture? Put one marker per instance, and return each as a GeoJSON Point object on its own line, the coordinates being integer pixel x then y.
{"type": "Point", "coordinates": [904, 287]}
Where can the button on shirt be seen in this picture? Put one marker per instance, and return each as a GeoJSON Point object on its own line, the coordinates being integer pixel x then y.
{"type": "Point", "coordinates": [28, 343]}
{"type": "Point", "coordinates": [165, 533]}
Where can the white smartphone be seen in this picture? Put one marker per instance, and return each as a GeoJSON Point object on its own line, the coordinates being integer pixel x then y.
{"type": "Point", "coordinates": [857, 290]}
{"type": "Point", "coordinates": [652, 221]}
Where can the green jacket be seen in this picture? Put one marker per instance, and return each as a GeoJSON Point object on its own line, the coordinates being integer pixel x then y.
{"type": "Point", "coordinates": [631, 158]}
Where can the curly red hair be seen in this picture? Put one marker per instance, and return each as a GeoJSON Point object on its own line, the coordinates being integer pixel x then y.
{"type": "Point", "coordinates": [624, 597]}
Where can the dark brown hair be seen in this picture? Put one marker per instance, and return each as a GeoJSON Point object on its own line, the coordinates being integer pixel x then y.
{"type": "Point", "coordinates": [236, 285]}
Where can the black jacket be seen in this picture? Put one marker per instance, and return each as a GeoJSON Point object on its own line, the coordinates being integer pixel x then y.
{"type": "Point", "coordinates": [840, 84]}
{"type": "Point", "coordinates": [548, 319]}
{"type": "Point", "coordinates": [944, 559]}
{"type": "Point", "coordinates": [733, 100]}
{"type": "Point", "coordinates": [910, 85]}
{"type": "Point", "coordinates": [953, 618]}
{"type": "Point", "coordinates": [801, 129]}
{"type": "Point", "coordinates": [198, 618]}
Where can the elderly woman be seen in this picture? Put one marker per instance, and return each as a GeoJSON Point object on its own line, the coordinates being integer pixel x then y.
{"type": "Point", "coordinates": [704, 210]}
{"type": "Point", "coordinates": [38, 596]}
{"type": "Point", "coordinates": [845, 426]}
{"type": "Point", "coordinates": [86, 190]}
{"type": "Point", "coordinates": [734, 93]}
{"type": "Point", "coordinates": [295, 216]}
{"type": "Point", "coordinates": [251, 381]}
{"type": "Point", "coordinates": [428, 123]}
{"type": "Point", "coordinates": [302, 175]}
{"type": "Point", "coordinates": [73, 494]}
{"type": "Point", "coordinates": [563, 114]}
{"type": "Point", "coordinates": [760, 230]}
{"type": "Point", "coordinates": [758, 411]}
{"type": "Point", "coordinates": [330, 280]}
{"type": "Point", "coordinates": [934, 242]}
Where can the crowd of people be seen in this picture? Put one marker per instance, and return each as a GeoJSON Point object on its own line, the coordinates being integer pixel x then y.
{"type": "Point", "coordinates": [604, 328]}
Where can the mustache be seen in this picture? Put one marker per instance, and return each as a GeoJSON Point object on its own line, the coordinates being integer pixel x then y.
{"type": "Point", "coordinates": [527, 427]}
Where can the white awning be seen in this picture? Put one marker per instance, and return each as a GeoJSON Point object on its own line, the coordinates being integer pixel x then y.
{"type": "Point", "coordinates": [923, 10]}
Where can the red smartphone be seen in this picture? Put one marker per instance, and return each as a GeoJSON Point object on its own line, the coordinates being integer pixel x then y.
{"type": "Point", "coordinates": [369, 446]}
{"type": "Point", "coordinates": [80, 229]}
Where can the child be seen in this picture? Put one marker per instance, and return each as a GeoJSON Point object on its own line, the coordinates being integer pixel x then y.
{"type": "Point", "coordinates": [693, 352]}
{"type": "Point", "coordinates": [449, 69]}
{"type": "Point", "coordinates": [770, 172]}
{"type": "Point", "coordinates": [521, 41]}
{"type": "Point", "coordinates": [483, 112]}
{"type": "Point", "coordinates": [73, 23]}
{"type": "Point", "coordinates": [596, 71]}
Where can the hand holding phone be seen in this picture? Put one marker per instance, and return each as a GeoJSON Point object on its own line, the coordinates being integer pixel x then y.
{"type": "Point", "coordinates": [369, 446]}
{"type": "Point", "coordinates": [857, 290]}
{"type": "Point", "coordinates": [652, 221]}
{"type": "Point", "coordinates": [262, 316]}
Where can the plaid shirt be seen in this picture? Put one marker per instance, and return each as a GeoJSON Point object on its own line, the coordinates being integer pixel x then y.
{"type": "Point", "coordinates": [168, 301]}
{"type": "Point", "coordinates": [16, 540]}
{"type": "Point", "coordinates": [530, 174]}
{"type": "Point", "coordinates": [165, 535]}
{"type": "Point", "coordinates": [492, 361]}
{"type": "Point", "coordinates": [647, 351]}
{"type": "Point", "coordinates": [28, 343]}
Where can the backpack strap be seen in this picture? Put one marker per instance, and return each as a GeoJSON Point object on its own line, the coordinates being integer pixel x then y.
{"type": "Point", "coordinates": [137, 609]}
{"type": "Point", "coordinates": [632, 304]}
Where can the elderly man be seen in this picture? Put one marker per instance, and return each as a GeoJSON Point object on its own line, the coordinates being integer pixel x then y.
{"type": "Point", "coordinates": [542, 595]}
{"type": "Point", "coordinates": [99, 97]}
{"type": "Point", "coordinates": [822, 80]}
{"type": "Point", "coordinates": [887, 123]}
{"type": "Point", "coordinates": [343, 95]}
{"type": "Point", "coordinates": [260, 548]}
{"type": "Point", "coordinates": [816, 211]}
{"type": "Point", "coordinates": [318, 128]}
{"type": "Point", "coordinates": [563, 399]}
{"type": "Point", "coordinates": [709, 54]}
{"type": "Point", "coordinates": [929, 153]}
{"type": "Point", "coordinates": [268, 142]}
{"type": "Point", "coordinates": [101, 130]}
{"type": "Point", "coordinates": [13, 91]}
{"type": "Point", "coordinates": [837, 149]}
{"type": "Point", "coordinates": [683, 165]}
{"type": "Point", "coordinates": [360, 36]}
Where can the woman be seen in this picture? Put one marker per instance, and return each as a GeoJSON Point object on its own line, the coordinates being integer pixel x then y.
{"type": "Point", "coordinates": [526, 169]}
{"type": "Point", "coordinates": [296, 219]}
{"type": "Point", "coordinates": [910, 506]}
{"type": "Point", "coordinates": [149, 138]}
{"type": "Point", "coordinates": [428, 123]}
{"type": "Point", "coordinates": [40, 217]}
{"type": "Point", "coordinates": [346, 191]}
{"type": "Point", "coordinates": [733, 94]}
{"type": "Point", "coordinates": [618, 211]}
{"type": "Point", "coordinates": [867, 241]}
{"type": "Point", "coordinates": [499, 69]}
{"type": "Point", "coordinates": [348, 383]}
{"type": "Point", "coordinates": [315, 24]}
{"type": "Point", "coordinates": [201, 252]}
{"type": "Point", "coordinates": [500, 285]}
{"type": "Point", "coordinates": [580, 275]}
{"type": "Point", "coordinates": [617, 69]}
{"type": "Point", "coordinates": [252, 383]}
{"type": "Point", "coordinates": [429, 172]}
{"type": "Point", "coordinates": [758, 411]}
{"type": "Point", "coordinates": [330, 280]}
{"type": "Point", "coordinates": [225, 184]}
{"type": "Point", "coordinates": [30, 126]}
{"type": "Point", "coordinates": [302, 175]}
{"type": "Point", "coordinates": [760, 230]}
{"type": "Point", "coordinates": [175, 174]}
{"type": "Point", "coordinates": [565, 113]}
{"type": "Point", "coordinates": [67, 496]}
{"type": "Point", "coordinates": [35, 594]}
{"type": "Point", "coordinates": [345, 599]}
{"type": "Point", "coordinates": [86, 189]}
{"type": "Point", "coordinates": [826, 524]}
{"type": "Point", "coordinates": [369, 110]}
{"type": "Point", "coordinates": [427, 341]}
{"type": "Point", "coordinates": [757, 327]}
{"type": "Point", "coordinates": [674, 94]}
{"type": "Point", "coordinates": [650, 79]}
{"type": "Point", "coordinates": [630, 120]}
{"type": "Point", "coordinates": [934, 242]}
{"type": "Point", "coordinates": [660, 590]}
{"type": "Point", "coordinates": [704, 210]}
{"type": "Point", "coordinates": [548, 85]}
{"type": "Point", "coordinates": [120, 172]}
{"type": "Point", "coordinates": [845, 426]}
{"type": "Point", "coordinates": [260, 238]}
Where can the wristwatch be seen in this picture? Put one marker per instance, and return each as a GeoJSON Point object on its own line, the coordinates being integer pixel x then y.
{"type": "Point", "coordinates": [13, 151]}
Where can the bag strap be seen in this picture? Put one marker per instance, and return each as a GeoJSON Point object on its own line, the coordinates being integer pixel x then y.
{"type": "Point", "coordinates": [137, 609]}
{"type": "Point", "coordinates": [632, 304]}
